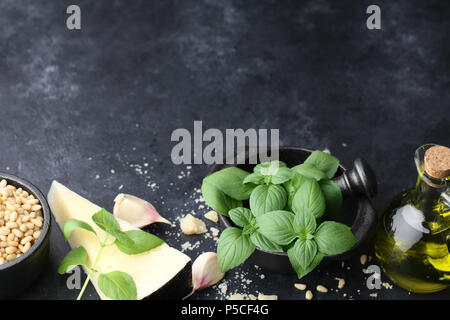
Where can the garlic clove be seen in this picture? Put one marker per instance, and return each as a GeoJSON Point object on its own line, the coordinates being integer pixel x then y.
{"type": "Point", "coordinates": [136, 211]}
{"type": "Point", "coordinates": [206, 271]}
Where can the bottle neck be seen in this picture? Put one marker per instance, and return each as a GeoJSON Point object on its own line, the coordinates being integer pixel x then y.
{"type": "Point", "coordinates": [430, 198]}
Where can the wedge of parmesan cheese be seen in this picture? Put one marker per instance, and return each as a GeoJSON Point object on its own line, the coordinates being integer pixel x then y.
{"type": "Point", "coordinates": [161, 273]}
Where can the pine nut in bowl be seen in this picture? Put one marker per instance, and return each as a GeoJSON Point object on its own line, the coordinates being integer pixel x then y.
{"type": "Point", "coordinates": [25, 225]}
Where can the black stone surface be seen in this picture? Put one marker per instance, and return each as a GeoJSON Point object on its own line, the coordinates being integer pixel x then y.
{"type": "Point", "coordinates": [76, 105]}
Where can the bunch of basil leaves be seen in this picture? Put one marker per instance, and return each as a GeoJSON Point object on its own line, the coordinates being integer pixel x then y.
{"type": "Point", "coordinates": [285, 210]}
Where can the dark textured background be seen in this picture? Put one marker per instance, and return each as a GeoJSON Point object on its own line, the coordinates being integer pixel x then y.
{"type": "Point", "coordinates": [77, 104]}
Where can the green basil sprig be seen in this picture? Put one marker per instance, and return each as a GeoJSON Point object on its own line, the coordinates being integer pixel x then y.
{"type": "Point", "coordinates": [116, 285]}
{"type": "Point", "coordinates": [311, 243]}
{"type": "Point", "coordinates": [235, 245]}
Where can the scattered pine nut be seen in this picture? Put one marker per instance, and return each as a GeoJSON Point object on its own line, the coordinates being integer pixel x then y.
{"type": "Point", "coordinates": [309, 295]}
{"type": "Point", "coordinates": [267, 297]}
{"type": "Point", "coordinates": [300, 286]}
{"type": "Point", "coordinates": [322, 288]}
{"type": "Point", "coordinates": [363, 259]}
{"type": "Point", "coordinates": [341, 282]}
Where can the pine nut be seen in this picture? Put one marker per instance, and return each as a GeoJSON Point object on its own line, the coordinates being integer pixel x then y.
{"type": "Point", "coordinates": [322, 288]}
{"type": "Point", "coordinates": [34, 202]}
{"type": "Point", "coordinates": [11, 257]}
{"type": "Point", "coordinates": [36, 207]}
{"type": "Point", "coordinates": [10, 250]}
{"type": "Point", "coordinates": [26, 239]}
{"type": "Point", "coordinates": [37, 222]}
{"type": "Point", "coordinates": [309, 295]}
{"type": "Point", "coordinates": [300, 286]}
{"type": "Point", "coordinates": [26, 247]}
{"type": "Point", "coordinates": [4, 231]}
{"type": "Point", "coordinates": [11, 225]}
{"type": "Point", "coordinates": [341, 282]}
{"type": "Point", "coordinates": [363, 259]}
{"type": "Point", "coordinates": [18, 233]}
{"type": "Point", "coordinates": [13, 216]}
{"type": "Point", "coordinates": [36, 234]}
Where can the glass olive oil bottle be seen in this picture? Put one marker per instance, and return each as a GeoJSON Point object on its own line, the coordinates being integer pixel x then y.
{"type": "Point", "coordinates": [413, 234]}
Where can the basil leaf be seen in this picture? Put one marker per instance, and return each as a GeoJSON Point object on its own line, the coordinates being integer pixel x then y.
{"type": "Point", "coordinates": [106, 221]}
{"type": "Point", "coordinates": [264, 243]}
{"type": "Point", "coordinates": [218, 200]}
{"type": "Point", "coordinates": [122, 237]}
{"type": "Point", "coordinates": [254, 178]}
{"type": "Point", "coordinates": [304, 223]}
{"type": "Point", "coordinates": [310, 171]}
{"type": "Point", "coordinates": [334, 237]}
{"type": "Point", "coordinates": [282, 175]}
{"type": "Point", "coordinates": [241, 216]}
{"type": "Point", "coordinates": [73, 224]}
{"type": "Point", "coordinates": [117, 285]}
{"type": "Point", "coordinates": [266, 198]}
{"type": "Point", "coordinates": [231, 182]}
{"type": "Point", "coordinates": [304, 251]}
{"type": "Point", "coordinates": [332, 195]}
{"type": "Point", "coordinates": [233, 248]}
{"type": "Point", "coordinates": [269, 168]}
{"type": "Point", "coordinates": [274, 172]}
{"type": "Point", "coordinates": [277, 226]}
{"type": "Point", "coordinates": [324, 162]}
{"type": "Point", "coordinates": [74, 258]}
{"type": "Point", "coordinates": [301, 272]}
{"type": "Point", "coordinates": [310, 198]}
{"type": "Point", "coordinates": [293, 185]}
{"type": "Point", "coordinates": [142, 242]}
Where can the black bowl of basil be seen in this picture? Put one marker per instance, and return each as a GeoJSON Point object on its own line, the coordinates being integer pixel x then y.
{"type": "Point", "coordinates": [276, 220]}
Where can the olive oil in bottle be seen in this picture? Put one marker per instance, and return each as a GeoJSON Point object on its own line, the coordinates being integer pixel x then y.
{"type": "Point", "coordinates": [413, 234]}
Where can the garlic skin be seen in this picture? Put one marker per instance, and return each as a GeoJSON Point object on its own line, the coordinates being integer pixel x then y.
{"type": "Point", "coordinates": [206, 271]}
{"type": "Point", "coordinates": [136, 211]}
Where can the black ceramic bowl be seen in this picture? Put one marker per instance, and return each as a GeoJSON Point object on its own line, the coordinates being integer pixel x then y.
{"type": "Point", "coordinates": [357, 211]}
{"type": "Point", "coordinates": [17, 275]}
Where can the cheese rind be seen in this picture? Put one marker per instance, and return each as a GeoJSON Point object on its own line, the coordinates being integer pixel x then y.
{"type": "Point", "coordinates": [152, 271]}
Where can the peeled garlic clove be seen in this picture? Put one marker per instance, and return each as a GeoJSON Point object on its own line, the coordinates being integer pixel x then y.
{"type": "Point", "coordinates": [136, 211]}
{"type": "Point", "coordinates": [206, 271]}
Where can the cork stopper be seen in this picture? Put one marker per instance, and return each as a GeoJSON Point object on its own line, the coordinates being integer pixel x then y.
{"type": "Point", "coordinates": [437, 162]}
